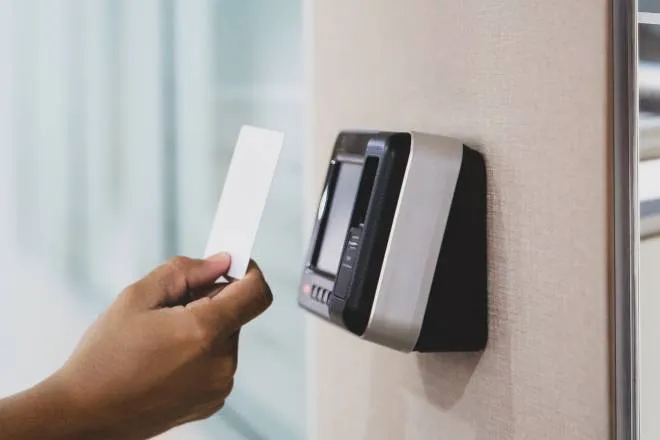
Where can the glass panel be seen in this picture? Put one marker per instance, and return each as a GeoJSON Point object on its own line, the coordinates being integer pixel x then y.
{"type": "Point", "coordinates": [649, 6]}
{"type": "Point", "coordinates": [114, 147]}
{"type": "Point", "coordinates": [649, 195]}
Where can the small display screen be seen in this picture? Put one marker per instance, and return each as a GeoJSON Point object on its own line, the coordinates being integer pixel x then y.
{"type": "Point", "coordinates": [339, 217]}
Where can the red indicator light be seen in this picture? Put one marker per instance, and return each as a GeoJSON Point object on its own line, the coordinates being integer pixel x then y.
{"type": "Point", "coordinates": [306, 289]}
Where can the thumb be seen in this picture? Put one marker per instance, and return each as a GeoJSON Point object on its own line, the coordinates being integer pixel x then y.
{"type": "Point", "coordinates": [239, 303]}
{"type": "Point", "coordinates": [172, 281]}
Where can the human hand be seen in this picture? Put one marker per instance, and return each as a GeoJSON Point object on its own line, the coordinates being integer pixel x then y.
{"type": "Point", "coordinates": [146, 366]}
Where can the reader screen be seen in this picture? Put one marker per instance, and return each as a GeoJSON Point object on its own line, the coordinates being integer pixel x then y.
{"type": "Point", "coordinates": [339, 217]}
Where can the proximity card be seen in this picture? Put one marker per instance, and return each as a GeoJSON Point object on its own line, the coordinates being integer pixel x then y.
{"type": "Point", "coordinates": [244, 196]}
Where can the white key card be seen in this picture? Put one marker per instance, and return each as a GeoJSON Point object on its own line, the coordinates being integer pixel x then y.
{"type": "Point", "coordinates": [244, 196]}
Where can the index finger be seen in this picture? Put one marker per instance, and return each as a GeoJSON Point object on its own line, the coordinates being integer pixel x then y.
{"type": "Point", "coordinates": [239, 303]}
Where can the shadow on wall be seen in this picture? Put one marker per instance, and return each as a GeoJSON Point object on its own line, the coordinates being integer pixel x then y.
{"type": "Point", "coordinates": [448, 388]}
{"type": "Point", "coordinates": [446, 376]}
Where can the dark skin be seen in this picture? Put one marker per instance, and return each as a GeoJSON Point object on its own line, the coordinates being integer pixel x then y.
{"type": "Point", "coordinates": [147, 364]}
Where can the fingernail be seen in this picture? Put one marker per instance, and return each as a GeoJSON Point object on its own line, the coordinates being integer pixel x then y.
{"type": "Point", "coordinates": [223, 256]}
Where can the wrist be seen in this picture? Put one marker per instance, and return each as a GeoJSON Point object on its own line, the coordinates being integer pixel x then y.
{"type": "Point", "coordinates": [67, 412]}
{"type": "Point", "coordinates": [43, 411]}
{"type": "Point", "coordinates": [48, 411]}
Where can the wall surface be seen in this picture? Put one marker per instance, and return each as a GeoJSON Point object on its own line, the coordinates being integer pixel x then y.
{"type": "Point", "coordinates": [526, 82]}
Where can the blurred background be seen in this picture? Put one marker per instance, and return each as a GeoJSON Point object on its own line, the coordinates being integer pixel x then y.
{"type": "Point", "coordinates": [118, 120]}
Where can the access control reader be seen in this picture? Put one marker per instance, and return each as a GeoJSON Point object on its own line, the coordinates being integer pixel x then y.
{"type": "Point", "coordinates": [397, 254]}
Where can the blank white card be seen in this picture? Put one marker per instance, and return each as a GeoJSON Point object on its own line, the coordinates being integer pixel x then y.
{"type": "Point", "coordinates": [244, 196]}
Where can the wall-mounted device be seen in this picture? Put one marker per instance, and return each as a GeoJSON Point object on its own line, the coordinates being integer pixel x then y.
{"type": "Point", "coordinates": [398, 251]}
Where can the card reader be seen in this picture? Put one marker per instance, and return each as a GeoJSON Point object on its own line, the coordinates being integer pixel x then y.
{"type": "Point", "coordinates": [398, 255]}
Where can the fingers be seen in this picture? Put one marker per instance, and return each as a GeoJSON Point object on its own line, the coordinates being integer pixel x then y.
{"type": "Point", "coordinates": [172, 281]}
{"type": "Point", "coordinates": [239, 303]}
{"type": "Point", "coordinates": [206, 291]}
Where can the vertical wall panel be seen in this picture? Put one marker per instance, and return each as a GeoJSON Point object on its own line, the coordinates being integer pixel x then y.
{"type": "Point", "coordinates": [52, 138]}
{"type": "Point", "coordinates": [141, 145]}
{"type": "Point", "coordinates": [97, 134]}
{"type": "Point", "coordinates": [7, 123]}
{"type": "Point", "coordinates": [194, 53]}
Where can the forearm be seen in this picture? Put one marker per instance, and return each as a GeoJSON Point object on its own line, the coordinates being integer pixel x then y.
{"type": "Point", "coordinates": [46, 412]}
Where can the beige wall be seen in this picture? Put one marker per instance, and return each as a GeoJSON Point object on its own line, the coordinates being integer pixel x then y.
{"type": "Point", "coordinates": [526, 83]}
